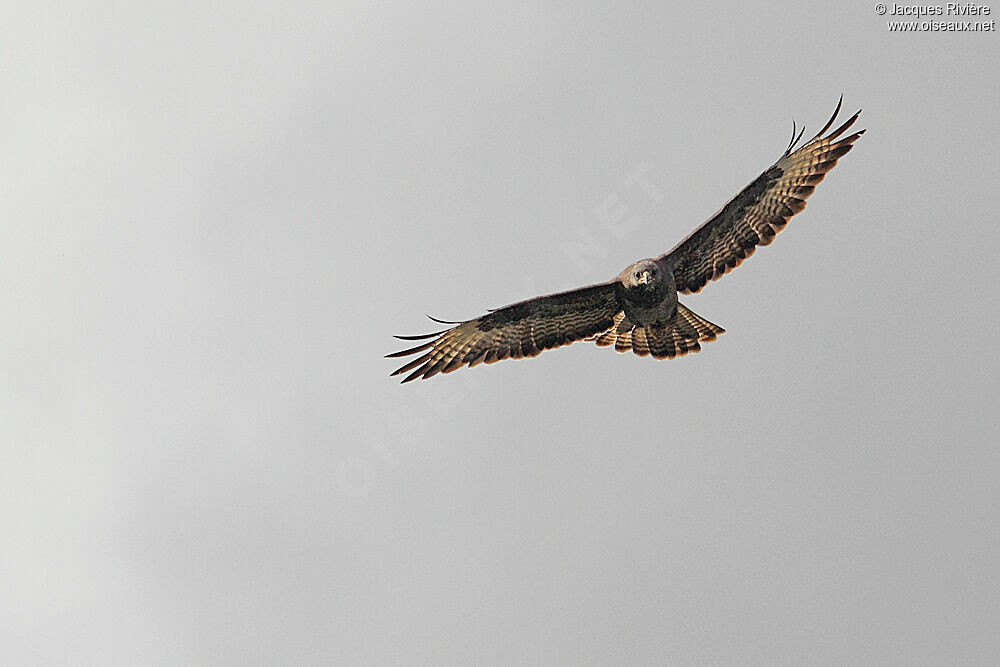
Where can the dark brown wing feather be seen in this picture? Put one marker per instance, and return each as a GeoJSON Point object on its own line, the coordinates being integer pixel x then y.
{"type": "Point", "coordinates": [760, 211]}
{"type": "Point", "coordinates": [520, 330]}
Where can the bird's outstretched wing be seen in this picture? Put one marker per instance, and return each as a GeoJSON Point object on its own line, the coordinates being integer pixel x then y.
{"type": "Point", "coordinates": [520, 330]}
{"type": "Point", "coordinates": [760, 211]}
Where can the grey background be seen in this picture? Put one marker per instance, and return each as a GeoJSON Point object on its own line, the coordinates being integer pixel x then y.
{"type": "Point", "coordinates": [215, 216]}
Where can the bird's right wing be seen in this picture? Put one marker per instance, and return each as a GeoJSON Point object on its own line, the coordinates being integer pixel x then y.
{"type": "Point", "coordinates": [522, 329]}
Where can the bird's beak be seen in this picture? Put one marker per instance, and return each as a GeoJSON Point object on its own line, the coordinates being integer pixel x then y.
{"type": "Point", "coordinates": [644, 278]}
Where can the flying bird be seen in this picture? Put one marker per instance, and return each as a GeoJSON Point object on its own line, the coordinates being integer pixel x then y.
{"type": "Point", "coordinates": [639, 310]}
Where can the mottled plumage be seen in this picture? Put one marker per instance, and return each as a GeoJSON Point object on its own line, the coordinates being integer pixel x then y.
{"type": "Point", "coordinates": [639, 310]}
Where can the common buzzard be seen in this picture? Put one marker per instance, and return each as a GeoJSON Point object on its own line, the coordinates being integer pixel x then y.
{"type": "Point", "coordinates": [639, 310]}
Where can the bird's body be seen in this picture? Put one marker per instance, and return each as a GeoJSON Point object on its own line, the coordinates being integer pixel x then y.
{"type": "Point", "coordinates": [639, 310]}
{"type": "Point", "coordinates": [647, 292]}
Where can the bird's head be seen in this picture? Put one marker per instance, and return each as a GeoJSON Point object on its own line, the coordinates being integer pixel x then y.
{"type": "Point", "coordinates": [644, 274]}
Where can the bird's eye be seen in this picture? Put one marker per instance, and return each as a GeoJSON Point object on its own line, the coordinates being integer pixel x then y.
{"type": "Point", "coordinates": [636, 275]}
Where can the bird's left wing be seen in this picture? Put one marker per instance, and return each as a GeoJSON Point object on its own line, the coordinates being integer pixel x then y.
{"type": "Point", "coordinates": [520, 330]}
{"type": "Point", "coordinates": [760, 211]}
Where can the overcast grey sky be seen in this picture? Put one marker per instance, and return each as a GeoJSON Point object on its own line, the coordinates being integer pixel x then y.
{"type": "Point", "coordinates": [216, 214]}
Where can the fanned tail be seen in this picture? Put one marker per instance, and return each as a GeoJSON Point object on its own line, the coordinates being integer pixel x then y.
{"type": "Point", "coordinates": [662, 340]}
